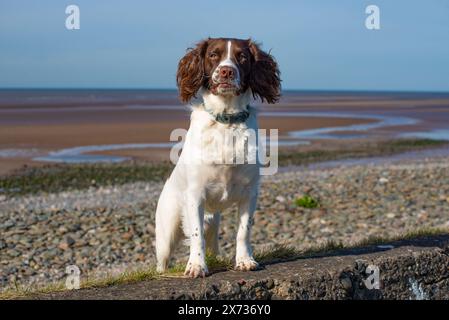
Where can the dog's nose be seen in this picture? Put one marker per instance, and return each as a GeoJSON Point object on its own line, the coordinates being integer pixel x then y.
{"type": "Point", "coordinates": [227, 73]}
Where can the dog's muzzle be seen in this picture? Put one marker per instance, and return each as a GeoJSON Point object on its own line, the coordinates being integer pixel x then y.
{"type": "Point", "coordinates": [226, 78]}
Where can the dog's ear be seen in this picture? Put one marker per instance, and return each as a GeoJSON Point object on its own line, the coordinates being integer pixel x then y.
{"type": "Point", "coordinates": [264, 81]}
{"type": "Point", "coordinates": [190, 76]}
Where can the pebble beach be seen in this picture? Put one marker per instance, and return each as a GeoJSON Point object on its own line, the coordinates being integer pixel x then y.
{"type": "Point", "coordinates": [110, 229]}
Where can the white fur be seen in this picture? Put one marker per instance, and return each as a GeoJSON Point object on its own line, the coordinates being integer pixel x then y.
{"type": "Point", "coordinates": [227, 62]}
{"type": "Point", "coordinates": [196, 193]}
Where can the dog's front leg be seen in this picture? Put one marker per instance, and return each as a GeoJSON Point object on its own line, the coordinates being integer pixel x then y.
{"type": "Point", "coordinates": [196, 266]}
{"type": "Point", "coordinates": [244, 260]}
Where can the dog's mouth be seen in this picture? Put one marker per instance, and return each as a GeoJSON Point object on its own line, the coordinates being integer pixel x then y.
{"type": "Point", "coordinates": [227, 86]}
{"type": "Point", "coordinates": [224, 88]}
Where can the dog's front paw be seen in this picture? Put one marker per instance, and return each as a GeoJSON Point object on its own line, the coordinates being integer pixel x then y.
{"type": "Point", "coordinates": [196, 270]}
{"type": "Point", "coordinates": [246, 264]}
{"type": "Point", "coordinates": [160, 268]}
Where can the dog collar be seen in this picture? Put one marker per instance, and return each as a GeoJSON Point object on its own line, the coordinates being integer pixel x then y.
{"type": "Point", "coordinates": [230, 118]}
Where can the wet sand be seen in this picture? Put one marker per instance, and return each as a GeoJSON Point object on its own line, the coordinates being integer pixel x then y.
{"type": "Point", "coordinates": [49, 121]}
{"type": "Point", "coordinates": [47, 138]}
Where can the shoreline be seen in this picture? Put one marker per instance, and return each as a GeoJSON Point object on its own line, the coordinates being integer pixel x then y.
{"type": "Point", "coordinates": [41, 139]}
{"type": "Point", "coordinates": [34, 124]}
{"type": "Point", "coordinates": [51, 177]}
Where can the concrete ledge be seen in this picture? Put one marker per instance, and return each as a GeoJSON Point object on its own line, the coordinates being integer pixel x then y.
{"type": "Point", "coordinates": [409, 269]}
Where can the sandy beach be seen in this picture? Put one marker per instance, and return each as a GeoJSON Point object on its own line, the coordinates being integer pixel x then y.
{"type": "Point", "coordinates": [34, 123]}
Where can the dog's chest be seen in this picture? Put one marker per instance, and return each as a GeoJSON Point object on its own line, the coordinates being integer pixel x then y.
{"type": "Point", "coordinates": [226, 185]}
{"type": "Point", "coordinates": [226, 167]}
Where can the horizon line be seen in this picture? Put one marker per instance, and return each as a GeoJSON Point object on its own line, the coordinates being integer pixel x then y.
{"type": "Point", "coordinates": [175, 89]}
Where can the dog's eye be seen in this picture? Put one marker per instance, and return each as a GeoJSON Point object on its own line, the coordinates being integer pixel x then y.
{"type": "Point", "coordinates": [242, 57]}
{"type": "Point", "coordinates": [213, 55]}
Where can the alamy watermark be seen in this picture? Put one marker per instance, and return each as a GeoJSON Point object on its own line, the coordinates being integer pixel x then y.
{"type": "Point", "coordinates": [72, 281]}
{"type": "Point", "coordinates": [72, 22]}
{"type": "Point", "coordinates": [372, 22]}
{"type": "Point", "coordinates": [227, 147]}
{"type": "Point", "coordinates": [372, 280]}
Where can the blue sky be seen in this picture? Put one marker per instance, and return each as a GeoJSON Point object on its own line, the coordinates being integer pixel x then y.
{"type": "Point", "coordinates": [319, 45]}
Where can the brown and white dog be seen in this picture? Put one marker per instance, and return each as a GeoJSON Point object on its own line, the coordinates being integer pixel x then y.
{"type": "Point", "coordinates": [226, 74]}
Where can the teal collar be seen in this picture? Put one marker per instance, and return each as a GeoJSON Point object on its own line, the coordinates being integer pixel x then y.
{"type": "Point", "coordinates": [230, 118]}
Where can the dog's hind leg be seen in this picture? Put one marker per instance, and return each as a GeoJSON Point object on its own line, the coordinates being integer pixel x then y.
{"type": "Point", "coordinates": [168, 228]}
{"type": "Point", "coordinates": [211, 229]}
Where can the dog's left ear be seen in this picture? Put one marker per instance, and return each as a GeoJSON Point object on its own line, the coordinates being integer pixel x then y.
{"type": "Point", "coordinates": [265, 81]}
{"type": "Point", "coordinates": [190, 75]}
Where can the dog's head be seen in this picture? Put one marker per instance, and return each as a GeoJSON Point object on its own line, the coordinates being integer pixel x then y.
{"type": "Point", "coordinates": [228, 67]}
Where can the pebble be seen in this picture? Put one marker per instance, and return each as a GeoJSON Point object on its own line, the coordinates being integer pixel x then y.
{"type": "Point", "coordinates": [383, 180]}
{"type": "Point", "coordinates": [280, 199]}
